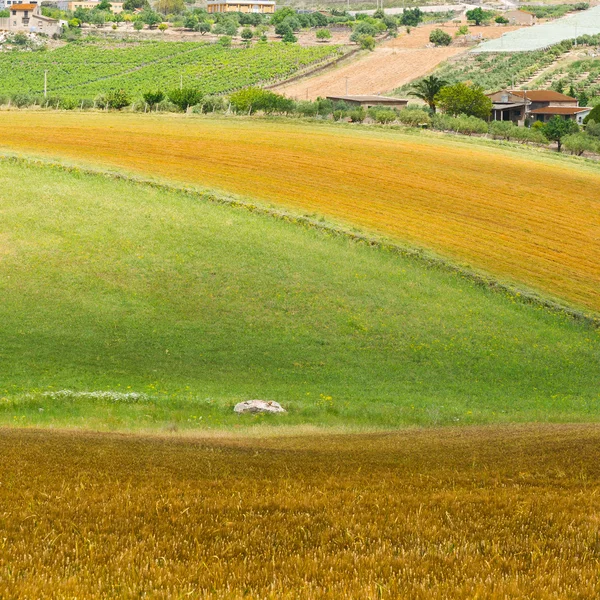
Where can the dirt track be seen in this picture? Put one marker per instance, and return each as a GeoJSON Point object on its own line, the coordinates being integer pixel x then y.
{"type": "Point", "coordinates": [392, 64]}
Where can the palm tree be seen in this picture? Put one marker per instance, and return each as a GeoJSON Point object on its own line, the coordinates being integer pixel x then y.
{"type": "Point", "coordinates": [427, 89]}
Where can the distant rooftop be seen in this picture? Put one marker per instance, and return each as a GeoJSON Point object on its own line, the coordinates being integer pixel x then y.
{"type": "Point", "coordinates": [23, 6]}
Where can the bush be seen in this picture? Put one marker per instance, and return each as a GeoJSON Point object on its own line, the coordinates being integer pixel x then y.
{"type": "Point", "coordinates": [307, 108]}
{"type": "Point", "coordinates": [411, 17]}
{"type": "Point", "coordinates": [250, 100]}
{"type": "Point", "coordinates": [440, 38]}
{"type": "Point", "coordinates": [323, 35]}
{"type": "Point", "coordinates": [366, 42]}
{"type": "Point", "coordinates": [153, 98]}
{"type": "Point", "coordinates": [21, 100]}
{"type": "Point", "coordinates": [461, 124]}
{"type": "Point", "coordinates": [529, 135]}
{"type": "Point", "coordinates": [213, 103]}
{"type": "Point", "coordinates": [593, 129]}
{"type": "Point", "coordinates": [289, 38]}
{"type": "Point", "coordinates": [117, 99]}
{"type": "Point", "coordinates": [415, 117]}
{"type": "Point", "coordinates": [501, 20]}
{"type": "Point", "coordinates": [185, 97]}
{"type": "Point", "coordinates": [502, 129]}
{"type": "Point", "coordinates": [385, 116]}
{"type": "Point", "coordinates": [247, 34]}
{"type": "Point", "coordinates": [225, 41]}
{"type": "Point", "coordinates": [357, 115]}
{"type": "Point", "coordinates": [339, 115]}
{"type": "Point", "coordinates": [578, 143]}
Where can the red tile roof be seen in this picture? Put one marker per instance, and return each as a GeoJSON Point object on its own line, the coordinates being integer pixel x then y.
{"type": "Point", "coordinates": [559, 110]}
{"type": "Point", "coordinates": [543, 96]}
{"type": "Point", "coordinates": [23, 7]}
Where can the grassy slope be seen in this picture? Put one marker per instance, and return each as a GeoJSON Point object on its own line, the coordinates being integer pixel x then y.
{"type": "Point", "coordinates": [111, 285]}
{"type": "Point", "coordinates": [519, 214]}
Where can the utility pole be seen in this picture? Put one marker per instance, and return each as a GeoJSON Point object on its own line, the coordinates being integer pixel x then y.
{"type": "Point", "coordinates": [46, 83]}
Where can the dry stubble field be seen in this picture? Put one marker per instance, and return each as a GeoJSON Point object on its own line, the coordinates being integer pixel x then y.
{"type": "Point", "coordinates": [422, 514]}
{"type": "Point", "coordinates": [523, 216]}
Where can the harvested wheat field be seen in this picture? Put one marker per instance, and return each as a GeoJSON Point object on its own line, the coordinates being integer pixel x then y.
{"type": "Point", "coordinates": [428, 514]}
{"type": "Point", "coordinates": [527, 217]}
{"type": "Point", "coordinates": [392, 64]}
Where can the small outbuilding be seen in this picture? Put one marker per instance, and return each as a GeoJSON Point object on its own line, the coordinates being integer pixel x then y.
{"type": "Point", "coordinates": [371, 101]}
{"type": "Point", "coordinates": [520, 17]}
{"type": "Point", "coordinates": [265, 7]}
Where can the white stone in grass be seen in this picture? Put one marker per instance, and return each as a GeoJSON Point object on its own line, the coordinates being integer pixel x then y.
{"type": "Point", "coordinates": [258, 406]}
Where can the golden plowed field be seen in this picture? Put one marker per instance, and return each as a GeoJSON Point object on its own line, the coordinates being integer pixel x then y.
{"type": "Point", "coordinates": [490, 513]}
{"type": "Point", "coordinates": [524, 217]}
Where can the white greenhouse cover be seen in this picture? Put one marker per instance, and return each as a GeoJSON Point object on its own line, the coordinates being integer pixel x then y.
{"type": "Point", "coordinates": [586, 22]}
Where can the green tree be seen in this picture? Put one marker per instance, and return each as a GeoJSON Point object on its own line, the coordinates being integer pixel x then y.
{"type": "Point", "coordinates": [557, 128]}
{"type": "Point", "coordinates": [593, 116]}
{"type": "Point", "coordinates": [411, 17]}
{"type": "Point", "coordinates": [163, 27]}
{"type": "Point", "coordinates": [203, 27]}
{"type": "Point", "coordinates": [247, 34]}
{"type": "Point", "coordinates": [560, 87]}
{"type": "Point", "coordinates": [104, 5]}
{"type": "Point", "coordinates": [440, 38]}
{"type": "Point", "coordinates": [153, 98]}
{"type": "Point", "coordinates": [478, 15]}
{"type": "Point", "coordinates": [289, 37]}
{"type": "Point", "coordinates": [427, 89]}
{"type": "Point", "coordinates": [462, 99]}
{"type": "Point", "coordinates": [117, 99]}
{"type": "Point", "coordinates": [583, 99]}
{"type": "Point", "coordinates": [138, 25]}
{"type": "Point", "coordinates": [185, 97]}
{"type": "Point", "coordinates": [578, 143]}
{"type": "Point", "coordinates": [501, 20]}
{"type": "Point", "coordinates": [572, 92]}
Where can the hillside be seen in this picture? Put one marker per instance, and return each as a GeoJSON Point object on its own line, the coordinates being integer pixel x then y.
{"type": "Point", "coordinates": [82, 71]}
{"type": "Point", "coordinates": [526, 217]}
{"type": "Point", "coordinates": [392, 64]}
{"type": "Point", "coordinates": [115, 286]}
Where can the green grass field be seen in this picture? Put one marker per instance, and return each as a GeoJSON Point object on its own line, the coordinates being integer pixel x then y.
{"type": "Point", "coordinates": [114, 286]}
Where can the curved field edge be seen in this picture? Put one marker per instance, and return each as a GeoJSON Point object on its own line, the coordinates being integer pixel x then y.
{"type": "Point", "coordinates": [129, 306]}
{"type": "Point", "coordinates": [525, 217]}
{"type": "Point", "coordinates": [496, 512]}
{"type": "Point", "coordinates": [424, 256]}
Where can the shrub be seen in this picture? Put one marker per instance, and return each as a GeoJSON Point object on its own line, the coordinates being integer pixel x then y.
{"type": "Point", "coordinates": [225, 41]}
{"type": "Point", "coordinates": [185, 97]}
{"type": "Point", "coordinates": [213, 103]}
{"type": "Point", "coordinates": [502, 129]}
{"type": "Point", "coordinates": [529, 135]}
{"type": "Point", "coordinates": [250, 100]}
{"type": "Point", "coordinates": [385, 116]}
{"type": "Point", "coordinates": [339, 115]}
{"type": "Point", "coordinates": [501, 20]}
{"type": "Point", "coordinates": [289, 38]}
{"type": "Point", "coordinates": [411, 17]}
{"type": "Point", "coordinates": [415, 117]}
{"type": "Point", "coordinates": [21, 100]}
{"type": "Point", "coordinates": [357, 115]}
{"type": "Point", "coordinates": [323, 35]}
{"type": "Point", "coordinates": [578, 143]}
{"type": "Point", "coordinates": [593, 129]}
{"type": "Point", "coordinates": [367, 42]}
{"type": "Point", "coordinates": [247, 34]}
{"type": "Point", "coordinates": [153, 98]}
{"type": "Point", "coordinates": [117, 99]}
{"type": "Point", "coordinates": [440, 38]}
{"type": "Point", "coordinates": [307, 108]}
